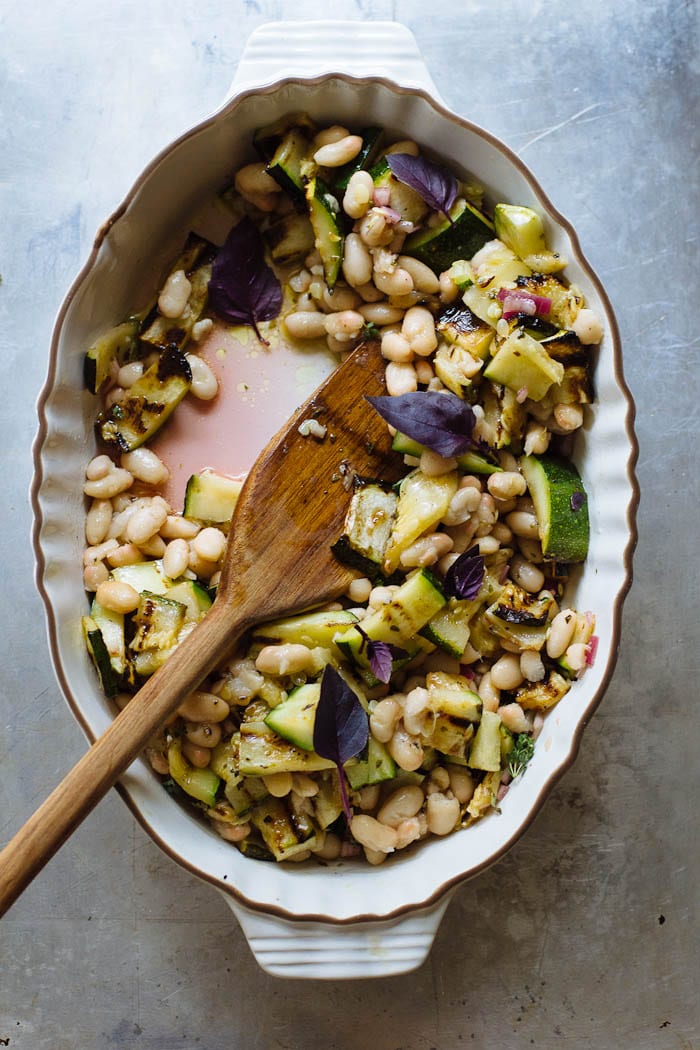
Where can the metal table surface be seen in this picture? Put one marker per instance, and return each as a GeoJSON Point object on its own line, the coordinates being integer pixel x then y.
{"type": "Point", "coordinates": [585, 935]}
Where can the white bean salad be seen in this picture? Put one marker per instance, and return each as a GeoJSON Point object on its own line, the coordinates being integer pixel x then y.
{"type": "Point", "coordinates": [455, 636]}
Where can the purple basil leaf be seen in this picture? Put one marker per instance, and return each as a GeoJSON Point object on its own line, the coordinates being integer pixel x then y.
{"type": "Point", "coordinates": [442, 422]}
{"type": "Point", "coordinates": [341, 727]}
{"type": "Point", "coordinates": [465, 576]}
{"type": "Point", "coordinates": [243, 289]}
{"type": "Point", "coordinates": [380, 660]}
{"type": "Point", "coordinates": [577, 501]}
{"type": "Point", "coordinates": [437, 186]}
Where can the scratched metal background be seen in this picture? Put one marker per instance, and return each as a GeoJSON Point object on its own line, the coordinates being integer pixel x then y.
{"type": "Point", "coordinates": [585, 936]}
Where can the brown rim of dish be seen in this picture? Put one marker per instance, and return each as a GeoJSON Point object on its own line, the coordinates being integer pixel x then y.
{"type": "Point", "coordinates": [219, 881]}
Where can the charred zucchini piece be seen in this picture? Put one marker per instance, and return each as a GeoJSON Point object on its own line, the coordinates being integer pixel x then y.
{"type": "Point", "coordinates": [565, 347]}
{"type": "Point", "coordinates": [514, 605]}
{"type": "Point", "coordinates": [101, 658]}
{"type": "Point", "coordinates": [310, 629]}
{"type": "Point", "coordinates": [158, 621]}
{"type": "Point", "coordinates": [485, 752]}
{"type": "Point", "coordinates": [522, 230]}
{"type": "Point", "coordinates": [211, 497]}
{"type": "Point", "coordinates": [294, 718]}
{"type": "Point", "coordinates": [285, 166]}
{"type": "Point", "coordinates": [561, 506]}
{"type": "Point", "coordinates": [540, 696]}
{"type": "Point", "coordinates": [370, 143]}
{"type": "Point", "coordinates": [268, 137]}
{"type": "Point", "coordinates": [452, 694]}
{"type": "Point", "coordinates": [397, 623]}
{"type": "Point", "coordinates": [284, 832]}
{"type": "Point", "coordinates": [119, 344]}
{"type": "Point", "coordinates": [423, 501]}
{"type": "Point", "coordinates": [367, 529]}
{"type": "Point", "coordinates": [111, 626]}
{"type": "Point", "coordinates": [565, 302]}
{"type": "Point", "coordinates": [402, 198]}
{"type": "Point", "coordinates": [262, 752]}
{"type": "Point", "coordinates": [290, 238]}
{"type": "Point", "coordinates": [438, 246]}
{"type": "Point", "coordinates": [450, 736]}
{"type": "Point", "coordinates": [201, 784]}
{"type": "Point", "coordinates": [324, 212]}
{"type": "Point", "coordinates": [193, 596]}
{"type": "Point", "coordinates": [459, 325]}
{"type": "Point", "coordinates": [147, 404]}
{"type": "Point", "coordinates": [374, 765]}
{"type": "Point", "coordinates": [511, 420]}
{"type": "Point", "coordinates": [523, 364]}
{"type": "Point", "coordinates": [575, 388]}
{"type": "Point", "coordinates": [495, 265]}
{"type": "Point", "coordinates": [328, 802]}
{"type": "Point", "coordinates": [449, 629]}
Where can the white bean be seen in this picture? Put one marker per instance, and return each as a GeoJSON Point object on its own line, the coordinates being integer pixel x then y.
{"type": "Point", "coordinates": [536, 439]}
{"type": "Point", "coordinates": [442, 813]}
{"type": "Point", "coordinates": [94, 554]}
{"type": "Point", "coordinates": [490, 695]}
{"type": "Point", "coordinates": [201, 706]}
{"type": "Point", "coordinates": [419, 329]}
{"type": "Point", "coordinates": [357, 198]}
{"type": "Point", "coordinates": [568, 417]}
{"type": "Point", "coordinates": [174, 295]}
{"type": "Point", "coordinates": [335, 154]}
{"type": "Point", "coordinates": [402, 804]}
{"type": "Point", "coordinates": [176, 558]}
{"type": "Point", "coordinates": [526, 575]}
{"type": "Point", "coordinates": [426, 550]}
{"type": "Point", "coordinates": [461, 784]}
{"type": "Point", "coordinates": [514, 718]}
{"type": "Point", "coordinates": [560, 633]}
{"type": "Point", "coordinates": [333, 133]}
{"type": "Point", "coordinates": [345, 325]}
{"type": "Point", "coordinates": [146, 522]}
{"type": "Point", "coordinates": [98, 467]}
{"type": "Point", "coordinates": [129, 374]}
{"type": "Point", "coordinates": [434, 465]}
{"type": "Point", "coordinates": [405, 750]}
{"type": "Point", "coordinates": [374, 229]}
{"type": "Point", "coordinates": [357, 261]}
{"type": "Point", "coordinates": [462, 505]}
{"type": "Point", "coordinates": [94, 575]}
{"type": "Point", "coordinates": [253, 180]}
{"type": "Point", "coordinates": [381, 313]}
{"type": "Point", "coordinates": [126, 554]}
{"type": "Point", "coordinates": [176, 527]}
{"type": "Point", "coordinates": [383, 719]}
{"type": "Point", "coordinates": [306, 324]}
{"type": "Point", "coordinates": [145, 465]}
{"type": "Point", "coordinates": [577, 656]}
{"type": "Point", "coordinates": [360, 590]}
{"type": "Point", "coordinates": [423, 277]}
{"type": "Point", "coordinates": [531, 665]}
{"type": "Point", "coordinates": [522, 523]}
{"type": "Point", "coordinates": [117, 596]}
{"type": "Point", "coordinates": [205, 385]}
{"type": "Point", "coordinates": [416, 708]}
{"type": "Point", "coordinates": [587, 326]}
{"type": "Point", "coordinates": [97, 521]}
{"type": "Point", "coordinates": [374, 836]}
{"type": "Point", "coordinates": [118, 480]}
{"type": "Point", "coordinates": [403, 146]}
{"type": "Point", "coordinates": [278, 784]}
{"type": "Point", "coordinates": [506, 673]}
{"type": "Point", "coordinates": [288, 658]}
{"type": "Point", "coordinates": [401, 378]}
{"type": "Point", "coordinates": [506, 484]}
{"type": "Point", "coordinates": [395, 347]}
{"type": "Point", "coordinates": [209, 544]}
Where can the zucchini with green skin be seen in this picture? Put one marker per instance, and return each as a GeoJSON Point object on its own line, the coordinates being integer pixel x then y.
{"type": "Point", "coordinates": [310, 629]}
{"type": "Point", "coordinates": [286, 165]}
{"type": "Point", "coordinates": [523, 231]}
{"type": "Point", "coordinates": [201, 784]}
{"type": "Point", "coordinates": [561, 506]}
{"type": "Point", "coordinates": [449, 629]}
{"type": "Point", "coordinates": [468, 462]}
{"type": "Point", "coordinates": [211, 497]}
{"type": "Point", "coordinates": [398, 622]}
{"type": "Point", "coordinates": [459, 325]}
{"type": "Point", "coordinates": [402, 198]}
{"type": "Point", "coordinates": [295, 717]}
{"type": "Point", "coordinates": [101, 657]}
{"type": "Point", "coordinates": [485, 752]}
{"type": "Point", "coordinates": [324, 213]}
{"type": "Point", "coordinates": [148, 404]}
{"type": "Point", "coordinates": [374, 766]}
{"type": "Point", "coordinates": [263, 751]}
{"type": "Point", "coordinates": [458, 237]}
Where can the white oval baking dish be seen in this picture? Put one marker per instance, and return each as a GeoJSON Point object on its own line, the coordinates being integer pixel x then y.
{"type": "Point", "coordinates": [348, 919]}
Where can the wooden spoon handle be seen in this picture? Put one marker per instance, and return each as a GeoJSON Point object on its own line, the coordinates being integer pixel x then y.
{"type": "Point", "coordinates": [98, 770]}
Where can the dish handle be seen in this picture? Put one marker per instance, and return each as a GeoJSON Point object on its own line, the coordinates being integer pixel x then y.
{"type": "Point", "coordinates": [327, 951]}
{"type": "Point", "coordinates": [309, 49]}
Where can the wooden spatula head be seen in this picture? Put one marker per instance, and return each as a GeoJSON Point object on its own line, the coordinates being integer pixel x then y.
{"type": "Point", "coordinates": [293, 504]}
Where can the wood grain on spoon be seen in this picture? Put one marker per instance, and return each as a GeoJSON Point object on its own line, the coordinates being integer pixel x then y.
{"type": "Point", "coordinates": [278, 560]}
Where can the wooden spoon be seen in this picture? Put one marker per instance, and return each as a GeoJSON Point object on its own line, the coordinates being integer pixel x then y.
{"type": "Point", "coordinates": [278, 560]}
